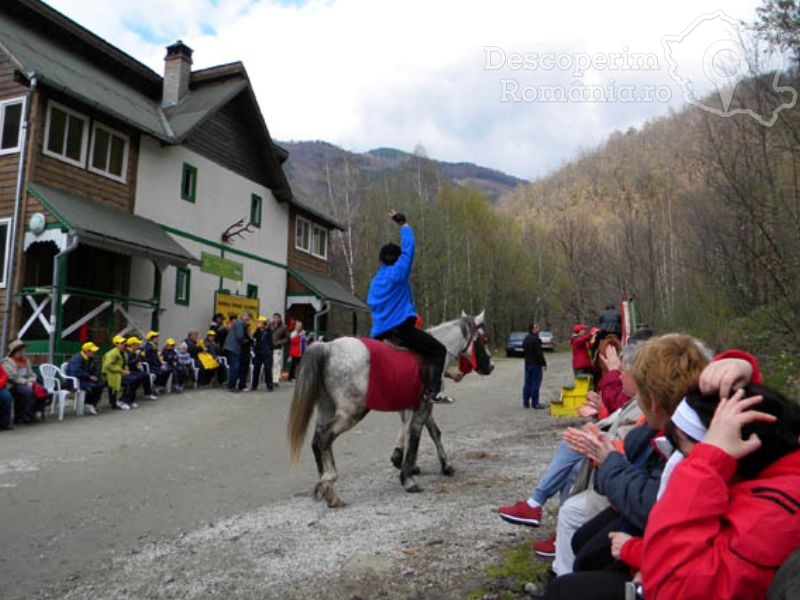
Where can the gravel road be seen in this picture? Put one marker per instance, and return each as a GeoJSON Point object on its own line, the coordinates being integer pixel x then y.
{"type": "Point", "coordinates": [192, 497]}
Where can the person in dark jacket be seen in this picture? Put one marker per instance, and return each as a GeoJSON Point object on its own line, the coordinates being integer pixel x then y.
{"type": "Point", "coordinates": [151, 356]}
{"type": "Point", "coordinates": [219, 328]}
{"type": "Point", "coordinates": [280, 337]}
{"type": "Point", "coordinates": [535, 364]}
{"type": "Point", "coordinates": [237, 343]}
{"type": "Point", "coordinates": [170, 357]}
{"type": "Point", "coordinates": [136, 376]}
{"type": "Point", "coordinates": [262, 349]}
{"type": "Point", "coordinates": [82, 366]}
{"type": "Point", "coordinates": [392, 305]}
{"type": "Point", "coordinates": [610, 322]}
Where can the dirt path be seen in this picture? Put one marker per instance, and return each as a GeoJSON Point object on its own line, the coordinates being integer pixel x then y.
{"type": "Point", "coordinates": [191, 497]}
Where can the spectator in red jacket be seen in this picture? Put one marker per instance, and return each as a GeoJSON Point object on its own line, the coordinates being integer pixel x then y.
{"type": "Point", "coordinates": [297, 347]}
{"type": "Point", "coordinates": [730, 514]}
{"type": "Point", "coordinates": [581, 351]}
{"type": "Point", "coordinates": [6, 401]}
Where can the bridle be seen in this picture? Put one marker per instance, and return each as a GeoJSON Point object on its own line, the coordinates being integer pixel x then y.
{"type": "Point", "coordinates": [476, 332]}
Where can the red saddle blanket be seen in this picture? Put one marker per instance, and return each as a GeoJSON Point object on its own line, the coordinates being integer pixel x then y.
{"type": "Point", "coordinates": [395, 382]}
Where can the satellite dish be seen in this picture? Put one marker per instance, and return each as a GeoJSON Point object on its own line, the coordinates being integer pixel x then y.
{"type": "Point", "coordinates": [37, 223]}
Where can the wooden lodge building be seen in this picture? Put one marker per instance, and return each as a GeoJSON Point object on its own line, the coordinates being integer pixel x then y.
{"type": "Point", "coordinates": [121, 189]}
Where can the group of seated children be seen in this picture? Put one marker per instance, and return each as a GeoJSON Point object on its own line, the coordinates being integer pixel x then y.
{"type": "Point", "coordinates": [689, 489]}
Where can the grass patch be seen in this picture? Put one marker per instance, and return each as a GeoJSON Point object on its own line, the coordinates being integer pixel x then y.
{"type": "Point", "coordinates": [506, 580]}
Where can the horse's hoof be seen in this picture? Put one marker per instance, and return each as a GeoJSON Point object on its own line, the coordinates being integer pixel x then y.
{"type": "Point", "coordinates": [335, 502]}
{"type": "Point", "coordinates": [448, 471]}
{"type": "Point", "coordinates": [397, 458]}
{"type": "Point", "coordinates": [320, 492]}
{"type": "Point", "coordinates": [414, 489]}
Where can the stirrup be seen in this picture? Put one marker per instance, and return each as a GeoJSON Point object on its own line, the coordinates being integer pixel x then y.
{"type": "Point", "coordinates": [442, 398]}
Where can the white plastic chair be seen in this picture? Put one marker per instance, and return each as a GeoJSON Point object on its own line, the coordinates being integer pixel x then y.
{"type": "Point", "coordinates": [152, 376]}
{"type": "Point", "coordinates": [76, 385]}
{"type": "Point", "coordinates": [52, 377]}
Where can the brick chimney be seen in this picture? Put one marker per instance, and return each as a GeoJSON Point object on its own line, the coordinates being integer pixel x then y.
{"type": "Point", "coordinates": [177, 69]}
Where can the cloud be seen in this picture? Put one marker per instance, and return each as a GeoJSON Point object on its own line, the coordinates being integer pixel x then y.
{"type": "Point", "coordinates": [369, 73]}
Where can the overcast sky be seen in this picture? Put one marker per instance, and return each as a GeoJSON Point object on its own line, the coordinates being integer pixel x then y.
{"type": "Point", "coordinates": [368, 73]}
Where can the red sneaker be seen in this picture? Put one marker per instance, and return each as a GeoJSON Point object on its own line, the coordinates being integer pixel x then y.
{"type": "Point", "coordinates": [521, 514]}
{"type": "Point", "coordinates": [546, 548]}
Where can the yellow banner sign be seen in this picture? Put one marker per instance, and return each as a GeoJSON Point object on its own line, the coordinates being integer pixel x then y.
{"type": "Point", "coordinates": [229, 304]}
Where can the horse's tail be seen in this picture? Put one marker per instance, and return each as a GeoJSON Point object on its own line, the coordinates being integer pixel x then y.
{"type": "Point", "coordinates": [306, 392]}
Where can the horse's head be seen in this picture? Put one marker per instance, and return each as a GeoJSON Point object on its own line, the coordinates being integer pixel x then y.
{"type": "Point", "coordinates": [477, 349]}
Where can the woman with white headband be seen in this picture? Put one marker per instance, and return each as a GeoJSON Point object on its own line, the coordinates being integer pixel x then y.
{"type": "Point", "coordinates": [730, 514]}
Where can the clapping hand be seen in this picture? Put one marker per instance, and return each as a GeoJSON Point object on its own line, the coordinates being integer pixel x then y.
{"type": "Point", "coordinates": [610, 358]}
{"type": "Point", "coordinates": [592, 405]}
{"type": "Point", "coordinates": [725, 430]}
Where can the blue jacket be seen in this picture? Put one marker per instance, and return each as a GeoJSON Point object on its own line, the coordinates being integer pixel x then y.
{"type": "Point", "coordinates": [82, 367]}
{"type": "Point", "coordinates": [390, 298]}
{"type": "Point", "coordinates": [631, 481]}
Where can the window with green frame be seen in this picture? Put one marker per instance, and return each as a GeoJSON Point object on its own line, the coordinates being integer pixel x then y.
{"type": "Point", "coordinates": [183, 286]}
{"type": "Point", "coordinates": [252, 291]}
{"type": "Point", "coordinates": [189, 182]}
{"type": "Point", "coordinates": [255, 210]}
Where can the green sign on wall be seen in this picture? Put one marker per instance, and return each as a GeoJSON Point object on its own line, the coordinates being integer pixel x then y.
{"type": "Point", "coordinates": [222, 267]}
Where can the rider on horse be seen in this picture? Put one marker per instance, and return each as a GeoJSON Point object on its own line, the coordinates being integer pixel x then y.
{"type": "Point", "coordinates": [393, 313]}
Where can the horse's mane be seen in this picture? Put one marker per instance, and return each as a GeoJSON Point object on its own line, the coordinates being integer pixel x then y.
{"type": "Point", "coordinates": [439, 332]}
{"type": "Point", "coordinates": [461, 321]}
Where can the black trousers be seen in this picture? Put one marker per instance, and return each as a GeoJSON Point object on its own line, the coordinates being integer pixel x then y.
{"type": "Point", "coordinates": [588, 585]}
{"type": "Point", "coordinates": [423, 343]}
{"type": "Point", "coordinates": [597, 575]}
{"type": "Point", "coordinates": [262, 361]}
{"type": "Point", "coordinates": [591, 544]}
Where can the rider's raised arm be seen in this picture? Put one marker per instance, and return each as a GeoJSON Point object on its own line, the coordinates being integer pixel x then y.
{"type": "Point", "coordinates": [402, 268]}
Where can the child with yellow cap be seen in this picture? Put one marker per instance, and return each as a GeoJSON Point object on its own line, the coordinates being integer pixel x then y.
{"type": "Point", "coordinates": [169, 355]}
{"type": "Point", "coordinates": [136, 376]}
{"type": "Point", "coordinates": [82, 367]}
{"type": "Point", "coordinates": [153, 359]}
{"type": "Point", "coordinates": [113, 370]}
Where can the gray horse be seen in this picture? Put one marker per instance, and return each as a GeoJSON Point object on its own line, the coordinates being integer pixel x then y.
{"type": "Point", "coordinates": [334, 378]}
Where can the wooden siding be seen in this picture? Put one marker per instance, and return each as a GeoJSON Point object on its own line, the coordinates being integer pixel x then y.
{"type": "Point", "coordinates": [228, 139]}
{"type": "Point", "coordinates": [79, 180]}
{"type": "Point", "coordinates": [304, 260]}
{"type": "Point", "coordinates": [9, 163]}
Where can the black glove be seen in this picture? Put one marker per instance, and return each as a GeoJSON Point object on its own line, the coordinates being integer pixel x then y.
{"type": "Point", "coordinates": [399, 218]}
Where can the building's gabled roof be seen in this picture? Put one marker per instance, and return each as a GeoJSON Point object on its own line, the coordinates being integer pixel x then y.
{"type": "Point", "coordinates": [79, 78]}
{"type": "Point", "coordinates": [200, 104]}
{"type": "Point", "coordinates": [70, 59]}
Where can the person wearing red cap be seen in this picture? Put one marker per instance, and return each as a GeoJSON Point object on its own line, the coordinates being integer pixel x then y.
{"type": "Point", "coordinates": [581, 352]}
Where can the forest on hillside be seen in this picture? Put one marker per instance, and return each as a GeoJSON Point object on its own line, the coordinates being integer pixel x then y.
{"type": "Point", "coordinates": [695, 215]}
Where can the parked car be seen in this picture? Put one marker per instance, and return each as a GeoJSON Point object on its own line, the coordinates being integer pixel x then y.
{"type": "Point", "coordinates": [548, 341]}
{"type": "Point", "coordinates": [514, 343]}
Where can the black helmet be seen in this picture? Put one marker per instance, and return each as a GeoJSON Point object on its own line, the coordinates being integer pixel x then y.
{"type": "Point", "coordinates": [390, 253]}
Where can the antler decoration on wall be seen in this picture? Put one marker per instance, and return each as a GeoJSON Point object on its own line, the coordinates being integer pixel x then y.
{"type": "Point", "coordinates": [239, 228]}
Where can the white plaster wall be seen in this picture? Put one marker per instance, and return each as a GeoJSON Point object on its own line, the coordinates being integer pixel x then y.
{"type": "Point", "coordinates": [222, 198]}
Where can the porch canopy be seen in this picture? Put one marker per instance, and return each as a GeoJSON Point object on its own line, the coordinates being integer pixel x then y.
{"type": "Point", "coordinates": [326, 289]}
{"type": "Point", "coordinates": [110, 228]}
